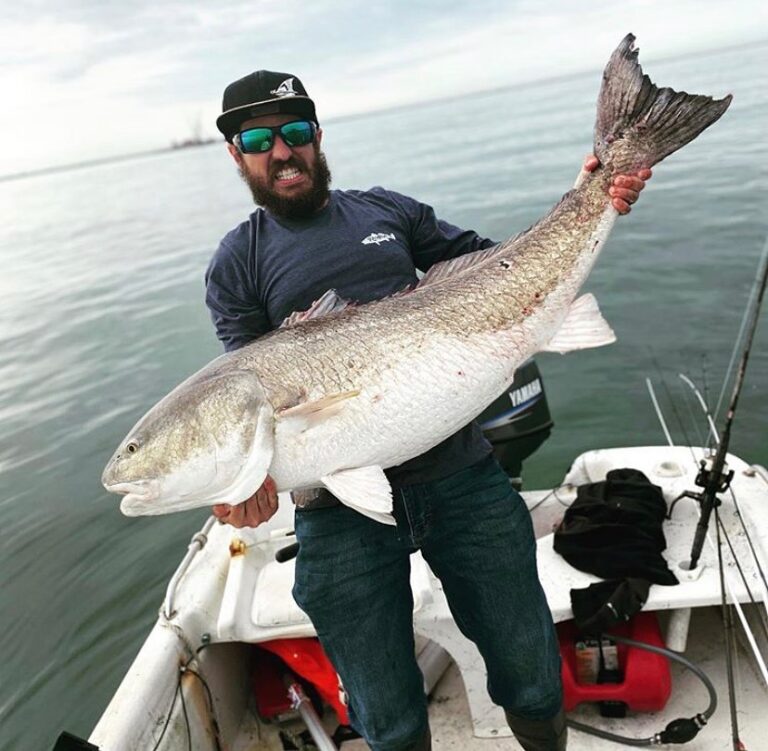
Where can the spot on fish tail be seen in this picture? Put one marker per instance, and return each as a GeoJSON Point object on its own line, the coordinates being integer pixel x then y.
{"type": "Point", "coordinates": [505, 264]}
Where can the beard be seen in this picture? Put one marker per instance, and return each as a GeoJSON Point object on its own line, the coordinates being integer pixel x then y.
{"type": "Point", "coordinates": [300, 206]}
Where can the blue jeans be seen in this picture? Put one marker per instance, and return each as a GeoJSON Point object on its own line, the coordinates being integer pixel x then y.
{"type": "Point", "coordinates": [353, 581]}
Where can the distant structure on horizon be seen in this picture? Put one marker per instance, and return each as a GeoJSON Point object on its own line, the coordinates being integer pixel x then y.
{"type": "Point", "coordinates": [196, 139]}
{"type": "Point", "coordinates": [189, 142]}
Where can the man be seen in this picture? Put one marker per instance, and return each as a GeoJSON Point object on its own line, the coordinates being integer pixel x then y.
{"type": "Point", "coordinates": [454, 502]}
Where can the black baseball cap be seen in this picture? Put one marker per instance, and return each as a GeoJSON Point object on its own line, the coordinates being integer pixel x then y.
{"type": "Point", "coordinates": [263, 92]}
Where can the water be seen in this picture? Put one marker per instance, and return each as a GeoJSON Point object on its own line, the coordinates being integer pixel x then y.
{"type": "Point", "coordinates": [101, 313]}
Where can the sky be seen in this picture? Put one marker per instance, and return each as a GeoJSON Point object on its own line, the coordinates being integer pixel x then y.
{"type": "Point", "coordinates": [87, 79]}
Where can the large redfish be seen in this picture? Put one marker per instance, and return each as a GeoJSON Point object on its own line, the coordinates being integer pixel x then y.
{"type": "Point", "coordinates": [342, 392]}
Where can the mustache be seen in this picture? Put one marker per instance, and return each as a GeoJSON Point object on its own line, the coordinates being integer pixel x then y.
{"type": "Point", "coordinates": [301, 206]}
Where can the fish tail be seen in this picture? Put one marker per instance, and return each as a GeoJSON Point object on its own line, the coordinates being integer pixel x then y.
{"type": "Point", "coordinates": [638, 123]}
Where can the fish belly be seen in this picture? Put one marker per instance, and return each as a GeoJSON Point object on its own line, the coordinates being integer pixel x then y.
{"type": "Point", "coordinates": [407, 410]}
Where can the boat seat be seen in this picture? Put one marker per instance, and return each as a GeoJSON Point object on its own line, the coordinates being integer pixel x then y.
{"type": "Point", "coordinates": [674, 470]}
{"type": "Point", "coordinates": [257, 604]}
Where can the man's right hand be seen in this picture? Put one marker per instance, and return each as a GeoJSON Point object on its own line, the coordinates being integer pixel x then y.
{"type": "Point", "coordinates": [257, 509]}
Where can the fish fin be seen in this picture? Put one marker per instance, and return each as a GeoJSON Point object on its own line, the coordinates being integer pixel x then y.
{"type": "Point", "coordinates": [308, 414]}
{"type": "Point", "coordinates": [583, 327]}
{"type": "Point", "coordinates": [639, 124]}
{"type": "Point", "coordinates": [329, 302]}
{"type": "Point", "coordinates": [364, 489]}
{"type": "Point", "coordinates": [454, 266]}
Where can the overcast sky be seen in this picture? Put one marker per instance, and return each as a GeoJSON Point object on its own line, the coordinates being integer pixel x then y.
{"type": "Point", "coordinates": [82, 79]}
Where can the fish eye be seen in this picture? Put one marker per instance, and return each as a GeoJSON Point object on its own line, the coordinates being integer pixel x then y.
{"type": "Point", "coordinates": [132, 447]}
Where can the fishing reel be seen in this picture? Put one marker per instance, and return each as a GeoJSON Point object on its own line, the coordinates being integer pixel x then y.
{"type": "Point", "coordinates": [706, 477]}
{"type": "Point", "coordinates": [710, 481]}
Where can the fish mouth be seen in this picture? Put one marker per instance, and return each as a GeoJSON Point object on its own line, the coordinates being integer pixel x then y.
{"type": "Point", "coordinates": [140, 499]}
{"type": "Point", "coordinates": [137, 487]}
{"type": "Point", "coordinates": [134, 504]}
{"type": "Point", "coordinates": [138, 496]}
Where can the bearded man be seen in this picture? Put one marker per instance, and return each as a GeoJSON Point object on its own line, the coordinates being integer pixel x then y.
{"type": "Point", "coordinates": [454, 502]}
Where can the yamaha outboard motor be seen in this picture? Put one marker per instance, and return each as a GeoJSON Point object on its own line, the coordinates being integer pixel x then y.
{"type": "Point", "coordinates": [518, 422]}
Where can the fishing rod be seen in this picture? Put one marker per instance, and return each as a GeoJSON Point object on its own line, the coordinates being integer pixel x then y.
{"type": "Point", "coordinates": [713, 476]}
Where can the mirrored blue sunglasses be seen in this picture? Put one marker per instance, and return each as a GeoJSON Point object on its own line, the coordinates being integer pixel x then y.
{"type": "Point", "coordinates": [261, 140]}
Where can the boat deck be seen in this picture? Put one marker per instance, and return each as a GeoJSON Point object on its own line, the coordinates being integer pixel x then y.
{"type": "Point", "coordinates": [451, 722]}
{"type": "Point", "coordinates": [452, 727]}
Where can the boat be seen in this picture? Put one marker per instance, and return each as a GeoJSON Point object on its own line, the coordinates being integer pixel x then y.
{"type": "Point", "coordinates": [207, 676]}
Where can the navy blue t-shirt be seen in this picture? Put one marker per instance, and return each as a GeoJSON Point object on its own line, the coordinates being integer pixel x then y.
{"type": "Point", "coordinates": [365, 245]}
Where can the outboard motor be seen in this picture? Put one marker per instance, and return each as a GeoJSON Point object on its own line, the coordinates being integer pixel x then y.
{"type": "Point", "coordinates": [518, 422]}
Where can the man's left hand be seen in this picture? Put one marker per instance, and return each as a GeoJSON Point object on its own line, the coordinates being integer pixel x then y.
{"type": "Point", "coordinates": [625, 189]}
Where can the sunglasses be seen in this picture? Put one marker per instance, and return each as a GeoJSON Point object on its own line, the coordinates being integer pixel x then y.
{"type": "Point", "coordinates": [261, 140]}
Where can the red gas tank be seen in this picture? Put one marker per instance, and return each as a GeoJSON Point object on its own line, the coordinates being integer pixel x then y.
{"type": "Point", "coordinates": [644, 680]}
{"type": "Point", "coordinates": [306, 658]}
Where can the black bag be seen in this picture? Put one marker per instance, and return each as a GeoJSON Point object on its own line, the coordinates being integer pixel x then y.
{"type": "Point", "coordinates": [614, 529]}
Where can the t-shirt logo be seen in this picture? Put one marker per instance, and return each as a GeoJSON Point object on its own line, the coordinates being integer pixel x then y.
{"type": "Point", "coordinates": [285, 89]}
{"type": "Point", "coordinates": [377, 238]}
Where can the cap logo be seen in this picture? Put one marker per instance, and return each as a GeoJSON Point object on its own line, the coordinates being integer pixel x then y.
{"type": "Point", "coordinates": [285, 89]}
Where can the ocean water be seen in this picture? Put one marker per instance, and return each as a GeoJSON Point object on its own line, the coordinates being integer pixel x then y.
{"type": "Point", "coordinates": [101, 313]}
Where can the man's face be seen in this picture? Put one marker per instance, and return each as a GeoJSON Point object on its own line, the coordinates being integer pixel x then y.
{"type": "Point", "coordinates": [291, 182]}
